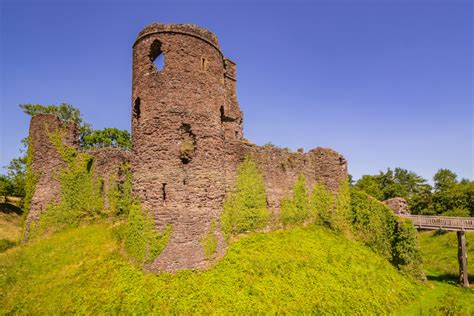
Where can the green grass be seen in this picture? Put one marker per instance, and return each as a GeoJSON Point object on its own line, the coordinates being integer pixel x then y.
{"type": "Point", "coordinates": [442, 295]}
{"type": "Point", "coordinates": [306, 270]}
{"type": "Point", "coordinates": [10, 226]}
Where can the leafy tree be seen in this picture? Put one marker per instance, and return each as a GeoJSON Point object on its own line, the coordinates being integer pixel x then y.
{"type": "Point", "coordinates": [108, 137]}
{"type": "Point", "coordinates": [444, 179]}
{"type": "Point", "coordinates": [6, 186]}
{"type": "Point", "coordinates": [370, 185]}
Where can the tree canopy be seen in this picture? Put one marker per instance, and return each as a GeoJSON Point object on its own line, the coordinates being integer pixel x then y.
{"type": "Point", "coordinates": [448, 197]}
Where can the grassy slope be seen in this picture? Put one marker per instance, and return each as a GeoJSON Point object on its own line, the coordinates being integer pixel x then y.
{"type": "Point", "coordinates": [442, 294]}
{"type": "Point", "coordinates": [10, 226]}
{"type": "Point", "coordinates": [300, 269]}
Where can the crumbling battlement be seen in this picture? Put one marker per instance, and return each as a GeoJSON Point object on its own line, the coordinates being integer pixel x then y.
{"type": "Point", "coordinates": [185, 29]}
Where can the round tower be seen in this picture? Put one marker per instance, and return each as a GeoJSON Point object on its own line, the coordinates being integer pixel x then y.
{"type": "Point", "coordinates": [178, 99]}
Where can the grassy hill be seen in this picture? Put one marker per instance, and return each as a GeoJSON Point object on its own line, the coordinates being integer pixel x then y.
{"type": "Point", "coordinates": [10, 225]}
{"type": "Point", "coordinates": [295, 270]}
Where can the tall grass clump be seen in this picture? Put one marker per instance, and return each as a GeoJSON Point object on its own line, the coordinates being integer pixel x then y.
{"type": "Point", "coordinates": [143, 242]}
{"type": "Point", "coordinates": [295, 210]}
{"type": "Point", "coordinates": [245, 208]}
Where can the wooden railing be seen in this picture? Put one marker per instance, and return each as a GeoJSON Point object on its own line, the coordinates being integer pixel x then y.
{"type": "Point", "coordinates": [441, 222]}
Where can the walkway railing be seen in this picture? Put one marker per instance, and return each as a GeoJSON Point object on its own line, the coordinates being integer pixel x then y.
{"type": "Point", "coordinates": [441, 222]}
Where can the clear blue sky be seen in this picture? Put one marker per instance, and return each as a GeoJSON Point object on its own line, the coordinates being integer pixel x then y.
{"type": "Point", "coordinates": [386, 83]}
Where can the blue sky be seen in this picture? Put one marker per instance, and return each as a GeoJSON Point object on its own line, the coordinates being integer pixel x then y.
{"type": "Point", "coordinates": [386, 83]}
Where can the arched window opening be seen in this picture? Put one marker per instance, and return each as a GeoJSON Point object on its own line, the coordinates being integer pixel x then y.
{"type": "Point", "coordinates": [136, 108]}
{"type": "Point", "coordinates": [156, 55]}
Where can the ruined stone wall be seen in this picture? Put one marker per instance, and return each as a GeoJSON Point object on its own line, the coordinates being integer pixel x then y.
{"type": "Point", "coordinates": [281, 169]}
{"type": "Point", "coordinates": [47, 162]}
{"type": "Point", "coordinates": [108, 165]}
{"type": "Point", "coordinates": [178, 137]}
{"type": "Point", "coordinates": [398, 205]}
{"type": "Point", "coordinates": [188, 141]}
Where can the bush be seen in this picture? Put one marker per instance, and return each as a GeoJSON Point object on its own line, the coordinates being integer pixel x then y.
{"type": "Point", "coordinates": [322, 205]}
{"type": "Point", "coordinates": [295, 210]}
{"type": "Point", "coordinates": [143, 243]}
{"type": "Point", "coordinates": [343, 207]}
{"type": "Point", "coordinates": [405, 251]}
{"type": "Point", "coordinates": [374, 224]}
{"type": "Point", "coordinates": [245, 208]}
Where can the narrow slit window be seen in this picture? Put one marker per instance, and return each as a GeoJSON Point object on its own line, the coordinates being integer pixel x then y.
{"type": "Point", "coordinates": [136, 108]}
{"type": "Point", "coordinates": [203, 64]}
{"type": "Point", "coordinates": [163, 190]}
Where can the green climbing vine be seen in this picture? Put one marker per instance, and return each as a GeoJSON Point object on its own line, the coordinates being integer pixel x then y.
{"type": "Point", "coordinates": [143, 242]}
{"type": "Point", "coordinates": [295, 210]}
{"type": "Point", "coordinates": [81, 197]}
{"type": "Point", "coordinates": [245, 208]}
{"type": "Point", "coordinates": [30, 181]}
{"type": "Point", "coordinates": [209, 241]}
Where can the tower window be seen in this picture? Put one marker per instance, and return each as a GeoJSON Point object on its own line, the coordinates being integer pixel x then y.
{"type": "Point", "coordinates": [156, 55]}
{"type": "Point", "coordinates": [163, 191]}
{"type": "Point", "coordinates": [136, 108]}
{"type": "Point", "coordinates": [203, 64]}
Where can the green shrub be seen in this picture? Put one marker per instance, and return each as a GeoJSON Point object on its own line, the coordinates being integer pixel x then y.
{"type": "Point", "coordinates": [295, 210]}
{"type": "Point", "coordinates": [373, 223]}
{"type": "Point", "coordinates": [343, 207]}
{"type": "Point", "coordinates": [143, 243]}
{"type": "Point", "coordinates": [322, 205]}
{"type": "Point", "coordinates": [245, 208]}
{"type": "Point", "coordinates": [405, 251]}
{"type": "Point", "coordinates": [209, 242]}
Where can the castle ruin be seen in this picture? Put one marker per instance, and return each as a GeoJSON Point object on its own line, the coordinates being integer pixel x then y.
{"type": "Point", "coordinates": [187, 141]}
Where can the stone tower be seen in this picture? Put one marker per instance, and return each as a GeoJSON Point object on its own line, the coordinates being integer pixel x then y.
{"type": "Point", "coordinates": [186, 122]}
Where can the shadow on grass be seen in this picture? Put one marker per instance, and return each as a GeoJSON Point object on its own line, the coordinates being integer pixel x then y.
{"type": "Point", "coordinates": [449, 278]}
{"type": "Point", "coordinates": [8, 208]}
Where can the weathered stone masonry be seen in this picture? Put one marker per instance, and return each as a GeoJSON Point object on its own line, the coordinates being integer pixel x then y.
{"type": "Point", "coordinates": [187, 142]}
{"type": "Point", "coordinates": [47, 162]}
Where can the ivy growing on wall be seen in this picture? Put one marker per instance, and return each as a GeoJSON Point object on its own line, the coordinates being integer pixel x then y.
{"type": "Point", "coordinates": [245, 208]}
{"type": "Point", "coordinates": [143, 243]}
{"type": "Point", "coordinates": [322, 205]}
{"type": "Point", "coordinates": [81, 196]}
{"type": "Point", "coordinates": [209, 241]}
{"type": "Point", "coordinates": [30, 180]}
{"type": "Point", "coordinates": [295, 210]}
